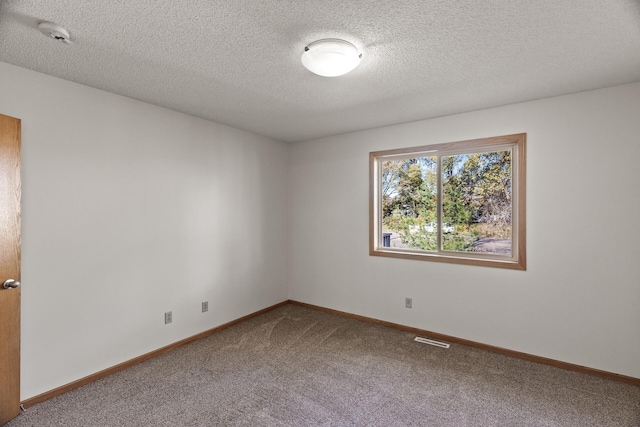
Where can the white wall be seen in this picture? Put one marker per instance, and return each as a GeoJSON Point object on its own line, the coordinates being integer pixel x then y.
{"type": "Point", "coordinates": [131, 210]}
{"type": "Point", "coordinates": [578, 301]}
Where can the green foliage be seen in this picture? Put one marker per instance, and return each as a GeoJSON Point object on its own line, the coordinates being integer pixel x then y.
{"type": "Point", "coordinates": [457, 243]}
{"type": "Point", "coordinates": [477, 189]}
{"type": "Point", "coordinates": [476, 198]}
{"type": "Point", "coordinates": [425, 241]}
{"type": "Point", "coordinates": [410, 187]}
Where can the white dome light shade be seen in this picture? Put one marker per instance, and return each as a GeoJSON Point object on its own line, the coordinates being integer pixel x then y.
{"type": "Point", "coordinates": [331, 57]}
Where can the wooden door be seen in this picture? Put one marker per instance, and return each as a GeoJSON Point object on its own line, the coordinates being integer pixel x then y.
{"type": "Point", "coordinates": [9, 268]}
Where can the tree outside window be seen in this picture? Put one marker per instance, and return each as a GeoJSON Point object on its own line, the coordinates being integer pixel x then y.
{"type": "Point", "coordinates": [459, 202]}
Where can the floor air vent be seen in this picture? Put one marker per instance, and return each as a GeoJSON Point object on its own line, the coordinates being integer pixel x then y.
{"type": "Point", "coordinates": [432, 342]}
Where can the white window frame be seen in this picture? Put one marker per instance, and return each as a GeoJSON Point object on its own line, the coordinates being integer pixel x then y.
{"type": "Point", "coordinates": [516, 143]}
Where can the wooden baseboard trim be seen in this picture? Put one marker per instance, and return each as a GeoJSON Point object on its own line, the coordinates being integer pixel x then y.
{"type": "Point", "coordinates": [124, 365]}
{"type": "Point", "coordinates": [512, 353]}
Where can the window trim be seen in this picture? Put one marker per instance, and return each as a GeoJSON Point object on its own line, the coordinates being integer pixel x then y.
{"type": "Point", "coordinates": [518, 259]}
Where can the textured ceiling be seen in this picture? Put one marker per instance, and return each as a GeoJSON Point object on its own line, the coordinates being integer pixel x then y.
{"type": "Point", "coordinates": [237, 62]}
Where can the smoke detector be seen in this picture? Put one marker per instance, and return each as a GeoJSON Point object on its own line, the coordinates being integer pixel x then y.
{"type": "Point", "coordinates": [54, 31]}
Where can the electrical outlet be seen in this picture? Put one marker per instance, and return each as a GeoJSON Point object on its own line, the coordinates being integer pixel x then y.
{"type": "Point", "coordinates": [168, 317]}
{"type": "Point", "coordinates": [408, 302]}
{"type": "Point", "coordinates": [205, 306]}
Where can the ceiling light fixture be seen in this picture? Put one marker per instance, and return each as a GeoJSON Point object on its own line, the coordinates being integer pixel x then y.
{"type": "Point", "coordinates": [54, 31]}
{"type": "Point", "coordinates": [331, 57]}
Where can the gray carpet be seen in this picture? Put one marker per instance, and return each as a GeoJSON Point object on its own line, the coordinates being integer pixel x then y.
{"type": "Point", "coordinates": [294, 366]}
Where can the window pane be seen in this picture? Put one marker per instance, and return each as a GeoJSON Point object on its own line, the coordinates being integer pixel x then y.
{"type": "Point", "coordinates": [477, 203]}
{"type": "Point", "coordinates": [409, 203]}
{"type": "Point", "coordinates": [460, 202]}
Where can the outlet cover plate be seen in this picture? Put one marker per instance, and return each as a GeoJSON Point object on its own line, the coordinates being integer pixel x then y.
{"type": "Point", "coordinates": [168, 317]}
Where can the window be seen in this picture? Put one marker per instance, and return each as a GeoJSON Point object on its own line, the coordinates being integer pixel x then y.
{"type": "Point", "coordinates": [460, 202]}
